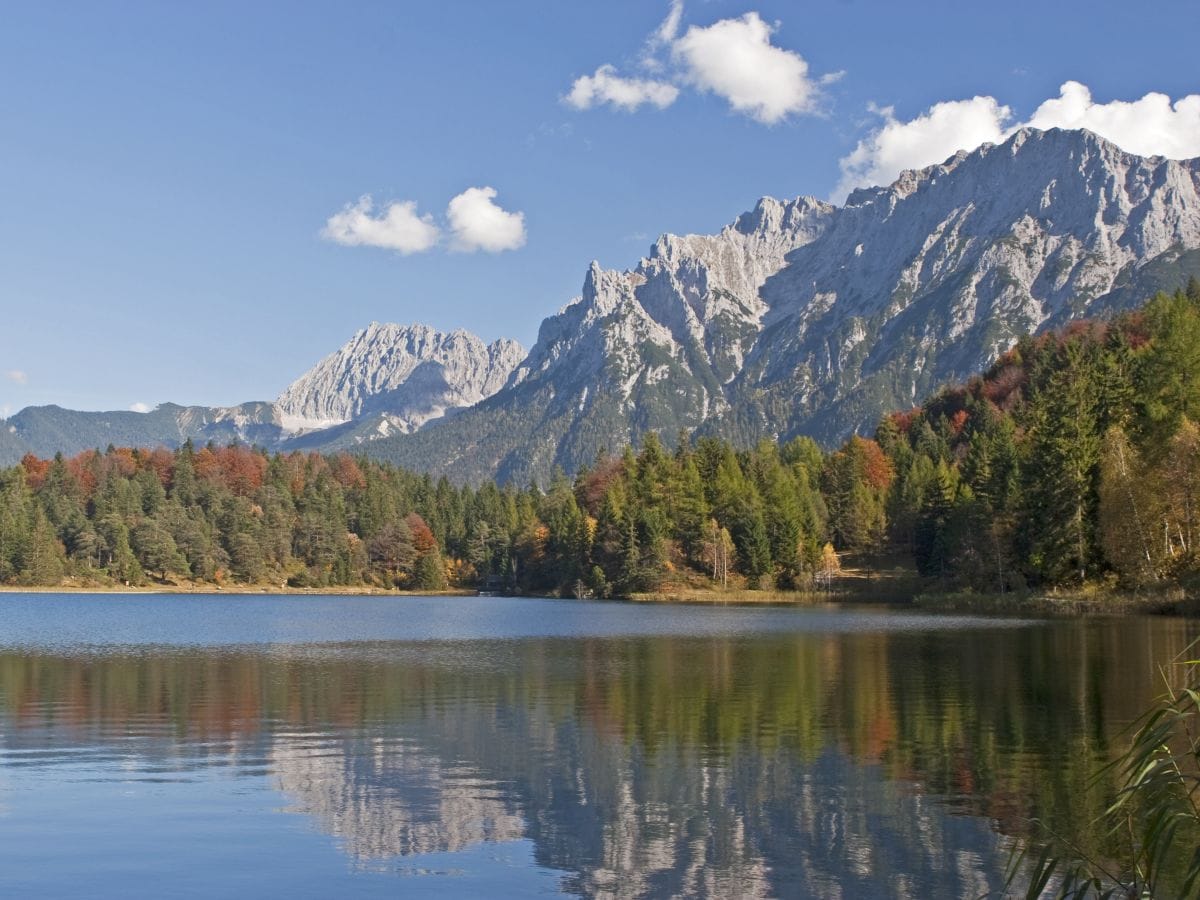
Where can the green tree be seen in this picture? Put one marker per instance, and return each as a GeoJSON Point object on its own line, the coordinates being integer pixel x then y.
{"type": "Point", "coordinates": [156, 549]}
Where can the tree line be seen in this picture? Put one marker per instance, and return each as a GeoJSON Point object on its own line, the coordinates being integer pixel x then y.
{"type": "Point", "coordinates": [1076, 457]}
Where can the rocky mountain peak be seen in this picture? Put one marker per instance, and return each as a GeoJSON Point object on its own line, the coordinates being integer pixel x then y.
{"type": "Point", "coordinates": [411, 373]}
{"type": "Point", "coordinates": [800, 317]}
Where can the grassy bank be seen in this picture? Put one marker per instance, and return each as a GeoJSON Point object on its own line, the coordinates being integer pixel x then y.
{"type": "Point", "coordinates": [1173, 600]}
{"type": "Point", "coordinates": [880, 578]}
{"type": "Point", "coordinates": [889, 578]}
{"type": "Point", "coordinates": [864, 578]}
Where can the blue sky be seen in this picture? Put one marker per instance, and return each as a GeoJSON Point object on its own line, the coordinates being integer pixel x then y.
{"type": "Point", "coordinates": [168, 171]}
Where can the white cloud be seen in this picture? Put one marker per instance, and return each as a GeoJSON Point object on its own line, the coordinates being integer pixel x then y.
{"type": "Point", "coordinates": [666, 32]}
{"type": "Point", "coordinates": [140, 407]}
{"type": "Point", "coordinates": [478, 223]}
{"type": "Point", "coordinates": [662, 36]}
{"type": "Point", "coordinates": [929, 138]}
{"type": "Point", "coordinates": [16, 376]}
{"type": "Point", "coordinates": [396, 227]}
{"type": "Point", "coordinates": [1151, 126]}
{"type": "Point", "coordinates": [734, 58]}
{"type": "Point", "coordinates": [606, 86]}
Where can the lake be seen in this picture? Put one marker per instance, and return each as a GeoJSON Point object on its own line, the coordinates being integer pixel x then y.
{"type": "Point", "coordinates": [206, 746]}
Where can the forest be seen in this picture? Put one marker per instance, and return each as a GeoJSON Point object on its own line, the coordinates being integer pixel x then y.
{"type": "Point", "coordinates": [1075, 459]}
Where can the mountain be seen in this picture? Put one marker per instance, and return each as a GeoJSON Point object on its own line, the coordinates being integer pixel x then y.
{"type": "Point", "coordinates": [806, 318]}
{"type": "Point", "coordinates": [400, 376]}
{"type": "Point", "coordinates": [387, 379]}
{"type": "Point", "coordinates": [653, 348]}
{"type": "Point", "coordinates": [929, 279]}
{"type": "Point", "coordinates": [46, 430]}
{"type": "Point", "coordinates": [12, 448]}
{"type": "Point", "coordinates": [800, 317]}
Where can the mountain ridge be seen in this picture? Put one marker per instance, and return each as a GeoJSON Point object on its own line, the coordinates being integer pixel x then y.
{"type": "Point", "coordinates": [798, 317]}
{"type": "Point", "coordinates": [860, 308]}
{"type": "Point", "coordinates": [386, 379]}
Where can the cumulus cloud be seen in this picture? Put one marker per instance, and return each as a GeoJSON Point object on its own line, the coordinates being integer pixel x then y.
{"type": "Point", "coordinates": [17, 376]}
{"type": "Point", "coordinates": [606, 86]}
{"type": "Point", "coordinates": [929, 138]}
{"type": "Point", "coordinates": [140, 407]}
{"type": "Point", "coordinates": [1151, 126]}
{"type": "Point", "coordinates": [478, 223]}
{"type": "Point", "coordinates": [397, 227]}
{"type": "Point", "coordinates": [735, 59]}
{"type": "Point", "coordinates": [732, 58]}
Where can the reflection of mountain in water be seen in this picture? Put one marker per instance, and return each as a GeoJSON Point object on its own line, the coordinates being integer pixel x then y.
{"type": "Point", "coordinates": [624, 825]}
{"type": "Point", "coordinates": [851, 765]}
{"type": "Point", "coordinates": [385, 797]}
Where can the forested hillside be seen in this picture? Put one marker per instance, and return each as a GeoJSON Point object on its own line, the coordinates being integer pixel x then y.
{"type": "Point", "coordinates": [1077, 455]}
{"type": "Point", "coordinates": [1075, 458]}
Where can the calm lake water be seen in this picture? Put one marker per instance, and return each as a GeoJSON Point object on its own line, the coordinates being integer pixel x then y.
{"type": "Point", "coordinates": [203, 746]}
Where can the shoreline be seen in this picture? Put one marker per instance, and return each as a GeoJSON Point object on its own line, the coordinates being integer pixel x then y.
{"type": "Point", "coordinates": [242, 590]}
{"type": "Point", "coordinates": [1173, 601]}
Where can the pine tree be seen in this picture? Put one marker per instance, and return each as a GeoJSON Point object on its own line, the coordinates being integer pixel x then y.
{"type": "Point", "coordinates": [1061, 468]}
{"type": "Point", "coordinates": [1127, 513]}
{"type": "Point", "coordinates": [156, 549]}
{"type": "Point", "coordinates": [1168, 370]}
{"type": "Point", "coordinates": [690, 511]}
{"type": "Point", "coordinates": [430, 571]}
{"type": "Point", "coordinates": [932, 537]}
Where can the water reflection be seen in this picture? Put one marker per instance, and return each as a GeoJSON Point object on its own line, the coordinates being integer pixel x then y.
{"type": "Point", "coordinates": [831, 764]}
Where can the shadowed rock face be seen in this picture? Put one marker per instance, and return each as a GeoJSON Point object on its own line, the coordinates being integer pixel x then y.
{"type": "Point", "coordinates": [805, 318]}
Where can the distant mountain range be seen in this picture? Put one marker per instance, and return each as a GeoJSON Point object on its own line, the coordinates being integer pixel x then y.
{"type": "Point", "coordinates": [798, 318]}
{"type": "Point", "coordinates": [387, 379]}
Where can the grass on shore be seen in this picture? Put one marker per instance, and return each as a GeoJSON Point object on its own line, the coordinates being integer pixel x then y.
{"type": "Point", "coordinates": [876, 578]}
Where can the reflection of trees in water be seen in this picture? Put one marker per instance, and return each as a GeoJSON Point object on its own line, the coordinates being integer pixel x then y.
{"type": "Point", "coordinates": [761, 766]}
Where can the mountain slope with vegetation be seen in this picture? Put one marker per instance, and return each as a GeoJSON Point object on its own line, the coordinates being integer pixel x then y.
{"type": "Point", "coordinates": [46, 430]}
{"type": "Point", "coordinates": [1075, 457]}
{"type": "Point", "coordinates": [806, 319]}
